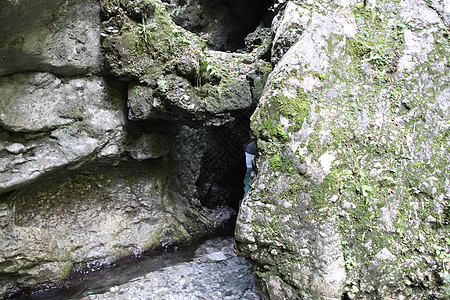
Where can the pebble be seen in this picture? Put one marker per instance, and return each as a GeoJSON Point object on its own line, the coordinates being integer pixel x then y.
{"type": "Point", "coordinates": [217, 256]}
{"type": "Point", "coordinates": [215, 272]}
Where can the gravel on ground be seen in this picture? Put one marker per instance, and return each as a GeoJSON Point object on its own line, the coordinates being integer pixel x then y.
{"type": "Point", "coordinates": [215, 272]}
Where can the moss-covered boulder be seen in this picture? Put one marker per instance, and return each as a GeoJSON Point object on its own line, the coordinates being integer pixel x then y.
{"type": "Point", "coordinates": [172, 73]}
{"type": "Point", "coordinates": [80, 185]}
{"type": "Point", "coordinates": [351, 194]}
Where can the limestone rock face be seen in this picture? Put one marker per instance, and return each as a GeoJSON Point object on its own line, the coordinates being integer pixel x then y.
{"type": "Point", "coordinates": [288, 26]}
{"type": "Point", "coordinates": [58, 36]}
{"type": "Point", "coordinates": [48, 123]}
{"type": "Point", "coordinates": [172, 74]}
{"type": "Point", "coordinates": [85, 220]}
{"type": "Point", "coordinates": [100, 162]}
{"type": "Point", "coordinates": [122, 128]}
{"type": "Point", "coordinates": [350, 199]}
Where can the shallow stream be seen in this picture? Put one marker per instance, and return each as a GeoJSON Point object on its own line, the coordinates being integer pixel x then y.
{"type": "Point", "coordinates": [124, 270]}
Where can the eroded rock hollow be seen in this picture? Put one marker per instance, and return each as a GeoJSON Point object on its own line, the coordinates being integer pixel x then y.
{"type": "Point", "coordinates": [224, 24]}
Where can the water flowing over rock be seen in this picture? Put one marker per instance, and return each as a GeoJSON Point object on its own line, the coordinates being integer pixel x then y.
{"type": "Point", "coordinates": [351, 196]}
{"type": "Point", "coordinates": [210, 275]}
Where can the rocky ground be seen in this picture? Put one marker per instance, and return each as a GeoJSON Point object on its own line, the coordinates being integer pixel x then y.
{"type": "Point", "coordinates": [214, 273]}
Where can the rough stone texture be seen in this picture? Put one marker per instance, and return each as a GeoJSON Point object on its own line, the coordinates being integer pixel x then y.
{"type": "Point", "coordinates": [58, 36]}
{"type": "Point", "coordinates": [173, 74]}
{"type": "Point", "coordinates": [226, 276]}
{"type": "Point", "coordinates": [223, 24]}
{"type": "Point", "coordinates": [149, 145]}
{"type": "Point", "coordinates": [351, 196]}
{"type": "Point", "coordinates": [49, 122]}
{"type": "Point", "coordinates": [91, 217]}
{"type": "Point", "coordinates": [176, 98]}
{"type": "Point", "coordinates": [288, 25]}
{"type": "Point", "coordinates": [187, 151]}
{"type": "Point", "coordinates": [61, 110]}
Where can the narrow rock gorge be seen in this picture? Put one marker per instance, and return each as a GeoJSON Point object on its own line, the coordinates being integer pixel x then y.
{"type": "Point", "coordinates": [120, 132]}
{"type": "Point", "coordinates": [123, 126]}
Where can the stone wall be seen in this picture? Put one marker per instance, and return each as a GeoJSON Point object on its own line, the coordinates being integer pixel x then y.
{"type": "Point", "coordinates": [106, 112]}
{"type": "Point", "coordinates": [351, 195]}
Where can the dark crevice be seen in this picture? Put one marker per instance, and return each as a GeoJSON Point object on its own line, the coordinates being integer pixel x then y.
{"type": "Point", "coordinates": [224, 24]}
{"type": "Point", "coordinates": [220, 186]}
{"type": "Point", "coordinates": [345, 296]}
{"type": "Point", "coordinates": [136, 129]}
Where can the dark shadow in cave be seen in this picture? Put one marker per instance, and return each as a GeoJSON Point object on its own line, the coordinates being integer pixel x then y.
{"type": "Point", "coordinates": [220, 186]}
{"type": "Point", "coordinates": [223, 23]}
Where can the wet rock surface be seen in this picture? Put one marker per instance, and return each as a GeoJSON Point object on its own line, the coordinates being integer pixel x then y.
{"type": "Point", "coordinates": [214, 273]}
{"type": "Point", "coordinates": [92, 217]}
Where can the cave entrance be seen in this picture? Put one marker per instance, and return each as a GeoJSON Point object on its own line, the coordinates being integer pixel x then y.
{"type": "Point", "coordinates": [224, 24]}
{"type": "Point", "coordinates": [221, 184]}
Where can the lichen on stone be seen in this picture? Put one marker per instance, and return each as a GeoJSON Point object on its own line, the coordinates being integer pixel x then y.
{"type": "Point", "coordinates": [376, 89]}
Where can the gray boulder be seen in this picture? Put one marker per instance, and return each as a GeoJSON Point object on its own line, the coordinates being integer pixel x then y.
{"type": "Point", "coordinates": [80, 185]}
{"type": "Point", "coordinates": [352, 157]}
{"type": "Point", "coordinates": [172, 74]}
{"type": "Point", "coordinates": [58, 36]}
{"type": "Point", "coordinates": [48, 123]}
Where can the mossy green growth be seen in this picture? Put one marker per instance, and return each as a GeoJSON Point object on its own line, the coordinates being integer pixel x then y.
{"type": "Point", "coordinates": [276, 163]}
{"type": "Point", "coordinates": [296, 109]}
{"type": "Point", "coordinates": [314, 146]}
{"type": "Point", "coordinates": [373, 177]}
{"type": "Point", "coordinates": [373, 51]}
{"type": "Point", "coordinates": [278, 132]}
{"type": "Point", "coordinates": [363, 12]}
{"type": "Point", "coordinates": [295, 189]}
{"type": "Point", "coordinates": [289, 166]}
{"type": "Point", "coordinates": [266, 124]}
{"type": "Point", "coordinates": [65, 269]}
{"type": "Point", "coordinates": [329, 186]}
{"type": "Point", "coordinates": [374, 44]}
{"type": "Point", "coordinates": [442, 137]}
{"type": "Point", "coordinates": [265, 68]}
{"type": "Point", "coordinates": [143, 44]}
{"type": "Point", "coordinates": [320, 76]}
{"type": "Point", "coordinates": [159, 37]}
